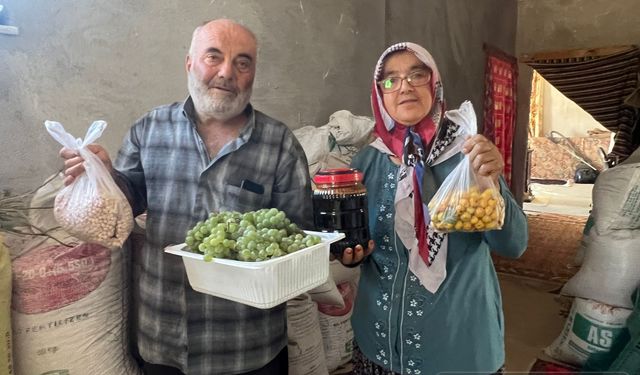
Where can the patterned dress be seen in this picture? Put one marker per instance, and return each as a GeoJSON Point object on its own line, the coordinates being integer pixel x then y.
{"type": "Point", "coordinates": [399, 326]}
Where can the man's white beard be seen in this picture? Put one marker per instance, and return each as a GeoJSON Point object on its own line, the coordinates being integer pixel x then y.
{"type": "Point", "coordinates": [221, 108]}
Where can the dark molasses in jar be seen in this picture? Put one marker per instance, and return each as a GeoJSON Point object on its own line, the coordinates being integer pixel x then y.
{"type": "Point", "coordinates": [340, 205]}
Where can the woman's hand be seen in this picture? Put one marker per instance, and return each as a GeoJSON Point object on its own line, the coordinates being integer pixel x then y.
{"type": "Point", "coordinates": [484, 156]}
{"type": "Point", "coordinates": [74, 163]}
{"type": "Point", "coordinates": [353, 257]}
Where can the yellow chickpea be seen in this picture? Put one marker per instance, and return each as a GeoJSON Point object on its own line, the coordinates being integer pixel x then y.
{"type": "Point", "coordinates": [486, 219]}
{"type": "Point", "coordinates": [473, 201]}
{"type": "Point", "coordinates": [479, 212]}
{"type": "Point", "coordinates": [471, 210]}
{"type": "Point", "coordinates": [483, 202]}
{"type": "Point", "coordinates": [487, 193]}
{"type": "Point", "coordinates": [465, 217]}
{"type": "Point", "coordinates": [491, 202]}
{"type": "Point", "coordinates": [479, 225]}
{"type": "Point", "coordinates": [488, 210]}
{"type": "Point", "coordinates": [491, 225]}
{"type": "Point", "coordinates": [473, 220]}
{"type": "Point", "coordinates": [458, 225]}
{"type": "Point", "coordinates": [464, 202]}
{"type": "Point", "coordinates": [467, 226]}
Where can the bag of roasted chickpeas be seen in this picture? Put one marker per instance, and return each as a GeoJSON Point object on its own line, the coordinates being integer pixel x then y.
{"type": "Point", "coordinates": [92, 208]}
{"type": "Point", "coordinates": [466, 202]}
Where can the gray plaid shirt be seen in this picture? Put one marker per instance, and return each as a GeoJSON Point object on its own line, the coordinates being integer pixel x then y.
{"type": "Point", "coordinates": [165, 169]}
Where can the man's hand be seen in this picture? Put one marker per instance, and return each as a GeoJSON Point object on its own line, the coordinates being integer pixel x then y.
{"type": "Point", "coordinates": [484, 156]}
{"type": "Point", "coordinates": [352, 257]}
{"type": "Point", "coordinates": [74, 163]}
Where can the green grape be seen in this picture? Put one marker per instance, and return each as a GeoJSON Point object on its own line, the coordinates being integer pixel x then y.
{"type": "Point", "coordinates": [309, 242]}
{"type": "Point", "coordinates": [293, 228]}
{"type": "Point", "coordinates": [249, 216]}
{"type": "Point", "coordinates": [190, 240]}
{"type": "Point", "coordinates": [233, 227]}
{"type": "Point", "coordinates": [250, 236]}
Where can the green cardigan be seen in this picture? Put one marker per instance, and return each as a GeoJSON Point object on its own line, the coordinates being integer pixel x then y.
{"type": "Point", "coordinates": [400, 325]}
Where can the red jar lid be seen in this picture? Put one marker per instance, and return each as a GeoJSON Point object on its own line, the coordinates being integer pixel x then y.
{"type": "Point", "coordinates": [337, 175]}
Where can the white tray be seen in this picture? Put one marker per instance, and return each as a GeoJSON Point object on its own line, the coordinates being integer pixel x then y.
{"type": "Point", "coordinates": [260, 284]}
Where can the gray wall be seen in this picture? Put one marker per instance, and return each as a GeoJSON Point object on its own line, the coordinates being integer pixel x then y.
{"type": "Point", "coordinates": [78, 61]}
{"type": "Point", "coordinates": [454, 31]}
{"type": "Point", "coordinates": [553, 25]}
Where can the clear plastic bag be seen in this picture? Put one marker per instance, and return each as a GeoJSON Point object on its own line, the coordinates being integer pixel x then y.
{"type": "Point", "coordinates": [466, 202]}
{"type": "Point", "coordinates": [92, 208]}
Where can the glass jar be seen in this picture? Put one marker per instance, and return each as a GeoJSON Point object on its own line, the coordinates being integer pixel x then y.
{"type": "Point", "coordinates": [340, 205]}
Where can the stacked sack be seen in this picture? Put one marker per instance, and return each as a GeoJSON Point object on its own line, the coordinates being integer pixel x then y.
{"type": "Point", "coordinates": [334, 144]}
{"type": "Point", "coordinates": [70, 300]}
{"type": "Point", "coordinates": [334, 317]}
{"type": "Point", "coordinates": [597, 328]}
{"type": "Point", "coordinates": [319, 323]}
{"type": "Point", "coordinates": [6, 361]}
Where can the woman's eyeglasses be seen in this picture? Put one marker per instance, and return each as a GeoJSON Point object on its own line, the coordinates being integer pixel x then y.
{"type": "Point", "coordinates": [415, 79]}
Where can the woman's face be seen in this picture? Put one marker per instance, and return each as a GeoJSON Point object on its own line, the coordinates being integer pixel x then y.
{"type": "Point", "coordinates": [408, 105]}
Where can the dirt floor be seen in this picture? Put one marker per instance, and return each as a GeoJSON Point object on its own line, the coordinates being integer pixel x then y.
{"type": "Point", "coordinates": [534, 317]}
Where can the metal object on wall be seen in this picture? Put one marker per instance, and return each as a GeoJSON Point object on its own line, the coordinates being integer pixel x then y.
{"type": "Point", "coordinates": [528, 195]}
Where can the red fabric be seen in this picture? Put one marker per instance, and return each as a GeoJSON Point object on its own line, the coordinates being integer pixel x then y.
{"type": "Point", "coordinates": [395, 139]}
{"type": "Point", "coordinates": [421, 226]}
{"type": "Point", "coordinates": [542, 367]}
{"type": "Point", "coordinates": [500, 106]}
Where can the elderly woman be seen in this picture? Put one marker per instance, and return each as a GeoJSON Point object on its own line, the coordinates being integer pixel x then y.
{"type": "Point", "coordinates": [427, 302]}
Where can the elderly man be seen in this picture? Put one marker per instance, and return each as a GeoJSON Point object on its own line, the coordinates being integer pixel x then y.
{"type": "Point", "coordinates": [181, 161]}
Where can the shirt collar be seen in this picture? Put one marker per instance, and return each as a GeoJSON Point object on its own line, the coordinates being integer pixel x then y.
{"type": "Point", "coordinates": [189, 111]}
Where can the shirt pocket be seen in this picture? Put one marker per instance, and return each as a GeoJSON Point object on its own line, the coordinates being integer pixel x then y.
{"type": "Point", "coordinates": [238, 199]}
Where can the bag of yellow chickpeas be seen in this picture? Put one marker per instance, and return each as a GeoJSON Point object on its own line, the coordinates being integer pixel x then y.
{"type": "Point", "coordinates": [467, 209]}
{"type": "Point", "coordinates": [465, 202]}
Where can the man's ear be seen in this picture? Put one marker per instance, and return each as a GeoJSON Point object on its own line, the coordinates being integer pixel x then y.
{"type": "Point", "coordinates": [187, 63]}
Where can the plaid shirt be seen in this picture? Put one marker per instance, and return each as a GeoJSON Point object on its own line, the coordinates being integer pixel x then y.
{"type": "Point", "coordinates": [164, 167]}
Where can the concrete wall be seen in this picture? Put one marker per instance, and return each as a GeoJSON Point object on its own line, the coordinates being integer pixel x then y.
{"type": "Point", "coordinates": [454, 31]}
{"type": "Point", "coordinates": [78, 61]}
{"type": "Point", "coordinates": [553, 25]}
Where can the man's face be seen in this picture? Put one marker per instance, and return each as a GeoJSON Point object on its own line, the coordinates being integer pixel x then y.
{"type": "Point", "coordinates": [221, 69]}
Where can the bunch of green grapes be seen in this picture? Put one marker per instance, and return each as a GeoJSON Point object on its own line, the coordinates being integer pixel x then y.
{"type": "Point", "coordinates": [251, 236]}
